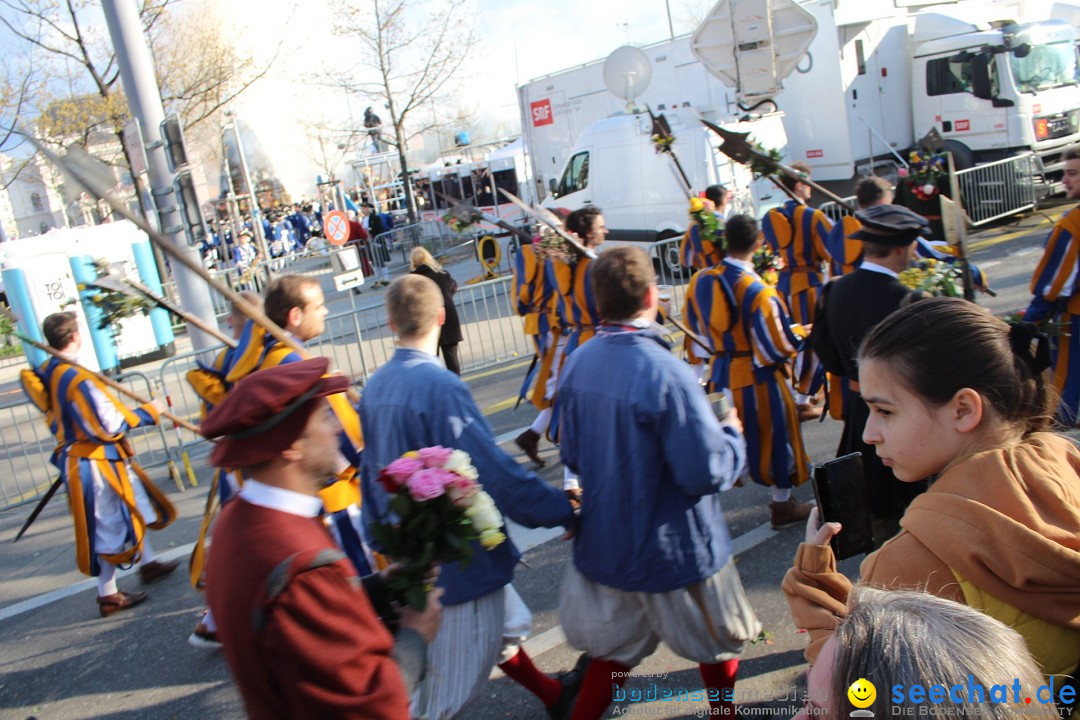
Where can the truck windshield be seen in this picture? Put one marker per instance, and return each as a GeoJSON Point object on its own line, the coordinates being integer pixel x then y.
{"type": "Point", "coordinates": [1045, 66]}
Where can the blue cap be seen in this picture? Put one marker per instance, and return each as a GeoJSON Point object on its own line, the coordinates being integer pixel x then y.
{"type": "Point", "coordinates": [890, 225]}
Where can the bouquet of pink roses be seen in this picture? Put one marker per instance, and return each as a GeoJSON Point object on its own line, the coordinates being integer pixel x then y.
{"type": "Point", "coordinates": [440, 508]}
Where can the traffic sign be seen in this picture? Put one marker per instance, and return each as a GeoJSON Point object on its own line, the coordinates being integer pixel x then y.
{"type": "Point", "coordinates": [336, 227]}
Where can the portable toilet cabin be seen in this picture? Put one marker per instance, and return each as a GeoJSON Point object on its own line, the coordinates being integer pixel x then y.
{"type": "Point", "coordinates": [43, 275]}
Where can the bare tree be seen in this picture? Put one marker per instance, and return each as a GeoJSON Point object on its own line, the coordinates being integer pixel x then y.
{"type": "Point", "coordinates": [19, 80]}
{"type": "Point", "coordinates": [328, 144]}
{"type": "Point", "coordinates": [200, 71]}
{"type": "Point", "coordinates": [411, 56]}
{"type": "Point", "coordinates": [80, 98]}
{"type": "Point", "coordinates": [691, 13]}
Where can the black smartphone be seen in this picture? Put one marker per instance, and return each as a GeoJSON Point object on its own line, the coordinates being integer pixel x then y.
{"type": "Point", "coordinates": [841, 495]}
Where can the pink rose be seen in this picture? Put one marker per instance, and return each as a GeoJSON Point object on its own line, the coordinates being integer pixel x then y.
{"type": "Point", "coordinates": [434, 457]}
{"type": "Point", "coordinates": [461, 489]}
{"type": "Point", "coordinates": [401, 469]}
{"type": "Point", "coordinates": [902, 172]}
{"type": "Point", "coordinates": [426, 484]}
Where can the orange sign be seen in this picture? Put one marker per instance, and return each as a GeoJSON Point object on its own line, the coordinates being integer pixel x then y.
{"type": "Point", "coordinates": [336, 227]}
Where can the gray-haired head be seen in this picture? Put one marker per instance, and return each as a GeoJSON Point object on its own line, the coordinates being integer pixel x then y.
{"type": "Point", "coordinates": [912, 638]}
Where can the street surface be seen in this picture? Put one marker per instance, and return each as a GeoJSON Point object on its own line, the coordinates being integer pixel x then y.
{"type": "Point", "coordinates": [60, 661]}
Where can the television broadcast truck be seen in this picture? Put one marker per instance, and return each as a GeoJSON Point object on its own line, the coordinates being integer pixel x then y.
{"type": "Point", "coordinates": [875, 76]}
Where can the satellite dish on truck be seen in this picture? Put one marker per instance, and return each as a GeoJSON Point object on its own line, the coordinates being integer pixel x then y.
{"type": "Point", "coordinates": [627, 73]}
{"type": "Point", "coordinates": [752, 45]}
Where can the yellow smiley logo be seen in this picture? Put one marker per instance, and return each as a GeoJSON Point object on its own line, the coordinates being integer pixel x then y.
{"type": "Point", "coordinates": [862, 693]}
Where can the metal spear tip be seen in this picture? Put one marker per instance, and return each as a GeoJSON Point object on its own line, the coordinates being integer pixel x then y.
{"type": "Point", "coordinates": [114, 283]}
{"type": "Point", "coordinates": [735, 145]}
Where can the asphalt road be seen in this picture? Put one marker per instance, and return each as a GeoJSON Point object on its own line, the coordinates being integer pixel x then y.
{"type": "Point", "coordinates": [59, 660]}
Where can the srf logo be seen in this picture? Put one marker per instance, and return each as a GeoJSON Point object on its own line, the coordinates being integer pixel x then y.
{"type": "Point", "coordinates": [541, 112]}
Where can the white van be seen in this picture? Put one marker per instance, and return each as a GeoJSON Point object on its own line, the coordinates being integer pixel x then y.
{"type": "Point", "coordinates": [615, 167]}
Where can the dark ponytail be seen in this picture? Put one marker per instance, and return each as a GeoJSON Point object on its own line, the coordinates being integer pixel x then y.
{"type": "Point", "coordinates": [941, 345]}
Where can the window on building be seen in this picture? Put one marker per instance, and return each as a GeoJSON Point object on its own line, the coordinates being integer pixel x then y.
{"type": "Point", "coordinates": [35, 201]}
{"type": "Point", "coordinates": [860, 57]}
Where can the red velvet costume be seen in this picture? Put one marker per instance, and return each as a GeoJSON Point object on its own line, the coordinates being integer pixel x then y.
{"type": "Point", "coordinates": [310, 648]}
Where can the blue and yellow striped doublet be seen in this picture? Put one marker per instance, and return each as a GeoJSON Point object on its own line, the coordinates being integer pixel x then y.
{"type": "Point", "coordinates": [258, 350]}
{"type": "Point", "coordinates": [1056, 298]}
{"type": "Point", "coordinates": [575, 301]}
{"type": "Point", "coordinates": [698, 252]}
{"type": "Point", "coordinates": [87, 445]}
{"type": "Point", "coordinates": [752, 339]}
{"type": "Point", "coordinates": [575, 305]}
{"type": "Point", "coordinates": [535, 302]}
{"type": "Point", "coordinates": [797, 234]}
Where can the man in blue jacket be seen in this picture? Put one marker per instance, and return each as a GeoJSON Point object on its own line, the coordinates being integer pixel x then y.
{"type": "Point", "coordinates": [414, 402]}
{"type": "Point", "coordinates": [652, 556]}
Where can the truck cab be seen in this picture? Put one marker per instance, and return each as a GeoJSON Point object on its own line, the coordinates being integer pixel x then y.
{"type": "Point", "coordinates": [993, 92]}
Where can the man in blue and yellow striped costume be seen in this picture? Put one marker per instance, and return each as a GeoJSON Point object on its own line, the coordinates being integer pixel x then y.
{"type": "Point", "coordinates": [796, 232]}
{"type": "Point", "coordinates": [752, 340]}
{"type": "Point", "coordinates": [571, 284]}
{"type": "Point", "coordinates": [1057, 298]}
{"type": "Point", "coordinates": [112, 500]}
{"type": "Point", "coordinates": [535, 302]}
{"type": "Point", "coordinates": [297, 305]}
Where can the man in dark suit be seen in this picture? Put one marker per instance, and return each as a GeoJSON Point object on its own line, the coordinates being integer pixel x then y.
{"type": "Point", "coordinates": [847, 311]}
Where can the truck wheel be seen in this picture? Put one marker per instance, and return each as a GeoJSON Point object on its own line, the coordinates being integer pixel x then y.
{"type": "Point", "coordinates": [962, 156]}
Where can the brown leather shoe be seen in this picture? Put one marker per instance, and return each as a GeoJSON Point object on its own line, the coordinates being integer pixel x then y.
{"type": "Point", "coordinates": [109, 604]}
{"type": "Point", "coordinates": [529, 441]}
{"type": "Point", "coordinates": [809, 412]}
{"type": "Point", "coordinates": [154, 571]}
{"type": "Point", "coordinates": [788, 513]}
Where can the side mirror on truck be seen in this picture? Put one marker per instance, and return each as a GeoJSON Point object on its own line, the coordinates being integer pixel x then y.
{"type": "Point", "coordinates": [553, 185]}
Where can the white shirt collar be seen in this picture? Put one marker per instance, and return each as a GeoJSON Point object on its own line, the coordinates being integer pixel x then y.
{"type": "Point", "coordinates": [744, 264]}
{"type": "Point", "coordinates": [640, 323]}
{"type": "Point", "coordinates": [280, 499]}
{"type": "Point", "coordinates": [874, 267]}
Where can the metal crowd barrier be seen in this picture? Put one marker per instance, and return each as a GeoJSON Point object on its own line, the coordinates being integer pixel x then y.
{"type": "Point", "coordinates": [25, 470]}
{"type": "Point", "coordinates": [392, 248]}
{"type": "Point", "coordinates": [314, 262]}
{"type": "Point", "coordinates": [999, 189]}
{"type": "Point", "coordinates": [358, 341]}
{"type": "Point", "coordinates": [665, 275]}
{"type": "Point", "coordinates": [834, 210]}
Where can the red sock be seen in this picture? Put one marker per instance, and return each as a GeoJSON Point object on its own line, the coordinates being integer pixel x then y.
{"type": "Point", "coordinates": [596, 691]}
{"type": "Point", "coordinates": [720, 677]}
{"type": "Point", "coordinates": [520, 668]}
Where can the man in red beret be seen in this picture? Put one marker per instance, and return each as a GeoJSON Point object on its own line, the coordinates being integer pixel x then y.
{"type": "Point", "coordinates": [300, 633]}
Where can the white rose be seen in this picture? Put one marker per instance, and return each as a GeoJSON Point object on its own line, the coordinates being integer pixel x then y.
{"type": "Point", "coordinates": [928, 188]}
{"type": "Point", "coordinates": [458, 461]}
{"type": "Point", "coordinates": [483, 513]}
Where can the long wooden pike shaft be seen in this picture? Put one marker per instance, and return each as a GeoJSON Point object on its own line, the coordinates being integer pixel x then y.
{"type": "Point", "coordinates": [110, 382]}
{"type": "Point", "coordinates": [180, 312]}
{"type": "Point", "coordinates": [166, 246]}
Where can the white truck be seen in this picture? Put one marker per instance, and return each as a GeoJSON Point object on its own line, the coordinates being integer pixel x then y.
{"type": "Point", "coordinates": [875, 79]}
